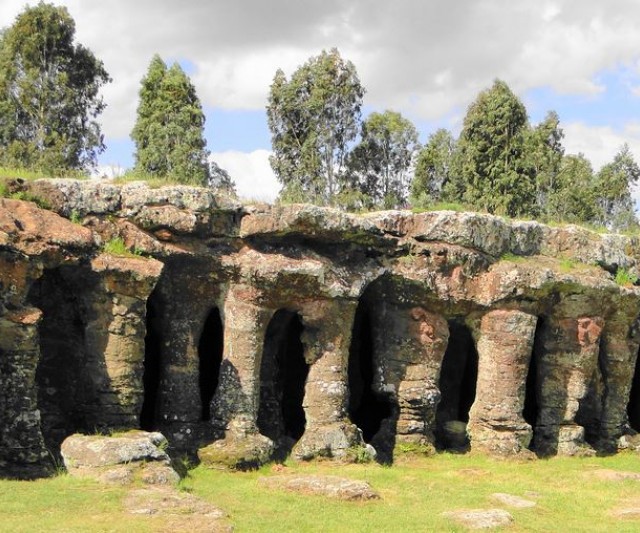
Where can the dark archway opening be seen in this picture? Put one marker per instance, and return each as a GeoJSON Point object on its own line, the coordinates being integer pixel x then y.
{"type": "Point", "coordinates": [633, 407]}
{"type": "Point", "coordinates": [210, 350]}
{"type": "Point", "coordinates": [152, 362]}
{"type": "Point", "coordinates": [64, 395]}
{"type": "Point", "coordinates": [458, 377]}
{"type": "Point", "coordinates": [531, 400]}
{"type": "Point", "coordinates": [366, 408]}
{"type": "Point", "coordinates": [283, 376]}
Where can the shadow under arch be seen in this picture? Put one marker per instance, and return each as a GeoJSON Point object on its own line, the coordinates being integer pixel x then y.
{"type": "Point", "coordinates": [367, 409]}
{"type": "Point", "coordinates": [152, 361]}
{"type": "Point", "coordinates": [283, 376]}
{"type": "Point", "coordinates": [457, 384]}
{"type": "Point", "coordinates": [210, 350]}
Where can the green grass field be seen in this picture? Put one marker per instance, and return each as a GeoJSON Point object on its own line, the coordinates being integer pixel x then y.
{"type": "Point", "coordinates": [414, 492]}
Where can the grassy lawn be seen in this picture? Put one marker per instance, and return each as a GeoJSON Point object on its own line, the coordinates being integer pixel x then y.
{"type": "Point", "coordinates": [415, 491]}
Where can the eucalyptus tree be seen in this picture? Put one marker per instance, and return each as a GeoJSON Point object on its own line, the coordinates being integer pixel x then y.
{"type": "Point", "coordinates": [495, 172]}
{"type": "Point", "coordinates": [380, 165]}
{"type": "Point", "coordinates": [313, 116]}
{"type": "Point", "coordinates": [169, 129]}
{"type": "Point", "coordinates": [435, 178]}
{"type": "Point", "coordinates": [49, 93]}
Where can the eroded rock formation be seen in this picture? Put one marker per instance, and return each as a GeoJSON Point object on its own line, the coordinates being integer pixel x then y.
{"type": "Point", "coordinates": [251, 332]}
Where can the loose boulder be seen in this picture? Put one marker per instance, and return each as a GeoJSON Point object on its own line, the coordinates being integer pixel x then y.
{"type": "Point", "coordinates": [120, 459]}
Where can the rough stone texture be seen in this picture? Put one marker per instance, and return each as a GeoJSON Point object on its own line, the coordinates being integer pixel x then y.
{"type": "Point", "coordinates": [170, 510]}
{"type": "Point", "coordinates": [136, 455]}
{"type": "Point", "coordinates": [511, 500]}
{"type": "Point", "coordinates": [159, 500]}
{"type": "Point", "coordinates": [616, 475]}
{"type": "Point", "coordinates": [480, 518]}
{"type": "Point", "coordinates": [90, 341]}
{"type": "Point", "coordinates": [331, 486]}
{"type": "Point", "coordinates": [567, 364]}
{"type": "Point", "coordinates": [505, 344]}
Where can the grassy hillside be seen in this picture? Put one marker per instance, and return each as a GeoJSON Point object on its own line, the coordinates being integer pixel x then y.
{"type": "Point", "coordinates": [571, 495]}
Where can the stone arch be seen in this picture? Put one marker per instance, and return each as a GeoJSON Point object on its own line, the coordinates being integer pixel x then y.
{"type": "Point", "coordinates": [457, 384]}
{"type": "Point", "coordinates": [283, 376]}
{"type": "Point", "coordinates": [152, 361]}
{"type": "Point", "coordinates": [366, 408]}
{"type": "Point", "coordinates": [210, 349]}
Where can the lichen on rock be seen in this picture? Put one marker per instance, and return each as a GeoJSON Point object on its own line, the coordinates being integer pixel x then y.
{"type": "Point", "coordinates": [254, 332]}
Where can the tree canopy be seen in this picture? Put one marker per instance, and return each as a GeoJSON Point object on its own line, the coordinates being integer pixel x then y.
{"type": "Point", "coordinates": [312, 118]}
{"type": "Point", "coordinates": [169, 130]}
{"type": "Point", "coordinates": [492, 144]}
{"type": "Point", "coordinates": [379, 166]}
{"type": "Point", "coordinates": [49, 93]}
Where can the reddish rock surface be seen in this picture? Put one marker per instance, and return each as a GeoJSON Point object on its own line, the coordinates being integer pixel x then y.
{"type": "Point", "coordinates": [310, 331]}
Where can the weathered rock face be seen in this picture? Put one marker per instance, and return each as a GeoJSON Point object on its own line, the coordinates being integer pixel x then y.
{"type": "Point", "coordinates": [121, 459]}
{"type": "Point", "coordinates": [261, 331]}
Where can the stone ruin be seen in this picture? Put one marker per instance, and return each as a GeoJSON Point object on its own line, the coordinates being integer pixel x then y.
{"type": "Point", "coordinates": [253, 332]}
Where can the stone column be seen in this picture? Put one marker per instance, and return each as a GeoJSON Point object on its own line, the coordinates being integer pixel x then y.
{"type": "Point", "coordinates": [236, 401]}
{"type": "Point", "coordinates": [621, 340]}
{"type": "Point", "coordinates": [410, 346]}
{"type": "Point", "coordinates": [326, 338]}
{"type": "Point", "coordinates": [235, 405]}
{"type": "Point", "coordinates": [114, 339]}
{"type": "Point", "coordinates": [22, 448]}
{"type": "Point", "coordinates": [504, 344]}
{"type": "Point", "coordinates": [567, 364]}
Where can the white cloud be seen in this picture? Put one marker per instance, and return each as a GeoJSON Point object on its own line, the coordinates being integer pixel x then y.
{"type": "Point", "coordinates": [600, 143]}
{"type": "Point", "coordinates": [251, 173]}
{"type": "Point", "coordinates": [423, 58]}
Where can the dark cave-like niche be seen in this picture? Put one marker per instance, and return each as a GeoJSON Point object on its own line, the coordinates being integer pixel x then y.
{"type": "Point", "coordinates": [366, 408]}
{"type": "Point", "coordinates": [152, 361]}
{"type": "Point", "coordinates": [210, 350]}
{"type": "Point", "coordinates": [283, 376]}
{"type": "Point", "coordinates": [63, 392]}
{"type": "Point", "coordinates": [458, 377]}
{"type": "Point", "coordinates": [633, 407]}
{"type": "Point", "coordinates": [532, 387]}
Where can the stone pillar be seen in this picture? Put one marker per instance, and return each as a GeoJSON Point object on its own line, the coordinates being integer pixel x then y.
{"type": "Point", "coordinates": [621, 340]}
{"type": "Point", "coordinates": [504, 344]}
{"type": "Point", "coordinates": [326, 338]}
{"type": "Point", "coordinates": [566, 366]}
{"type": "Point", "coordinates": [236, 401]}
{"type": "Point", "coordinates": [235, 405]}
{"type": "Point", "coordinates": [410, 346]}
{"type": "Point", "coordinates": [22, 449]}
{"type": "Point", "coordinates": [114, 340]}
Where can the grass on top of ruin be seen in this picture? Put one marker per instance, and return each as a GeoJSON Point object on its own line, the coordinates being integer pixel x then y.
{"type": "Point", "coordinates": [572, 494]}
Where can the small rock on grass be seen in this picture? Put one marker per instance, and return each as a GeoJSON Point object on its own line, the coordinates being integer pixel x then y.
{"type": "Point", "coordinates": [480, 518]}
{"type": "Point", "coordinates": [616, 475]}
{"type": "Point", "coordinates": [331, 486]}
{"type": "Point", "coordinates": [511, 500]}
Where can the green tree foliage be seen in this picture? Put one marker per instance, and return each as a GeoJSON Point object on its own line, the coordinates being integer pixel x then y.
{"type": "Point", "coordinates": [571, 198]}
{"type": "Point", "coordinates": [493, 164]}
{"type": "Point", "coordinates": [49, 93]}
{"type": "Point", "coordinates": [312, 118]}
{"type": "Point", "coordinates": [544, 152]}
{"type": "Point", "coordinates": [169, 130]}
{"type": "Point", "coordinates": [379, 166]}
{"type": "Point", "coordinates": [615, 206]}
{"type": "Point", "coordinates": [435, 174]}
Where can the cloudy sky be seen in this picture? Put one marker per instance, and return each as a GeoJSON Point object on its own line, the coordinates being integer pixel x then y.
{"type": "Point", "coordinates": [426, 59]}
